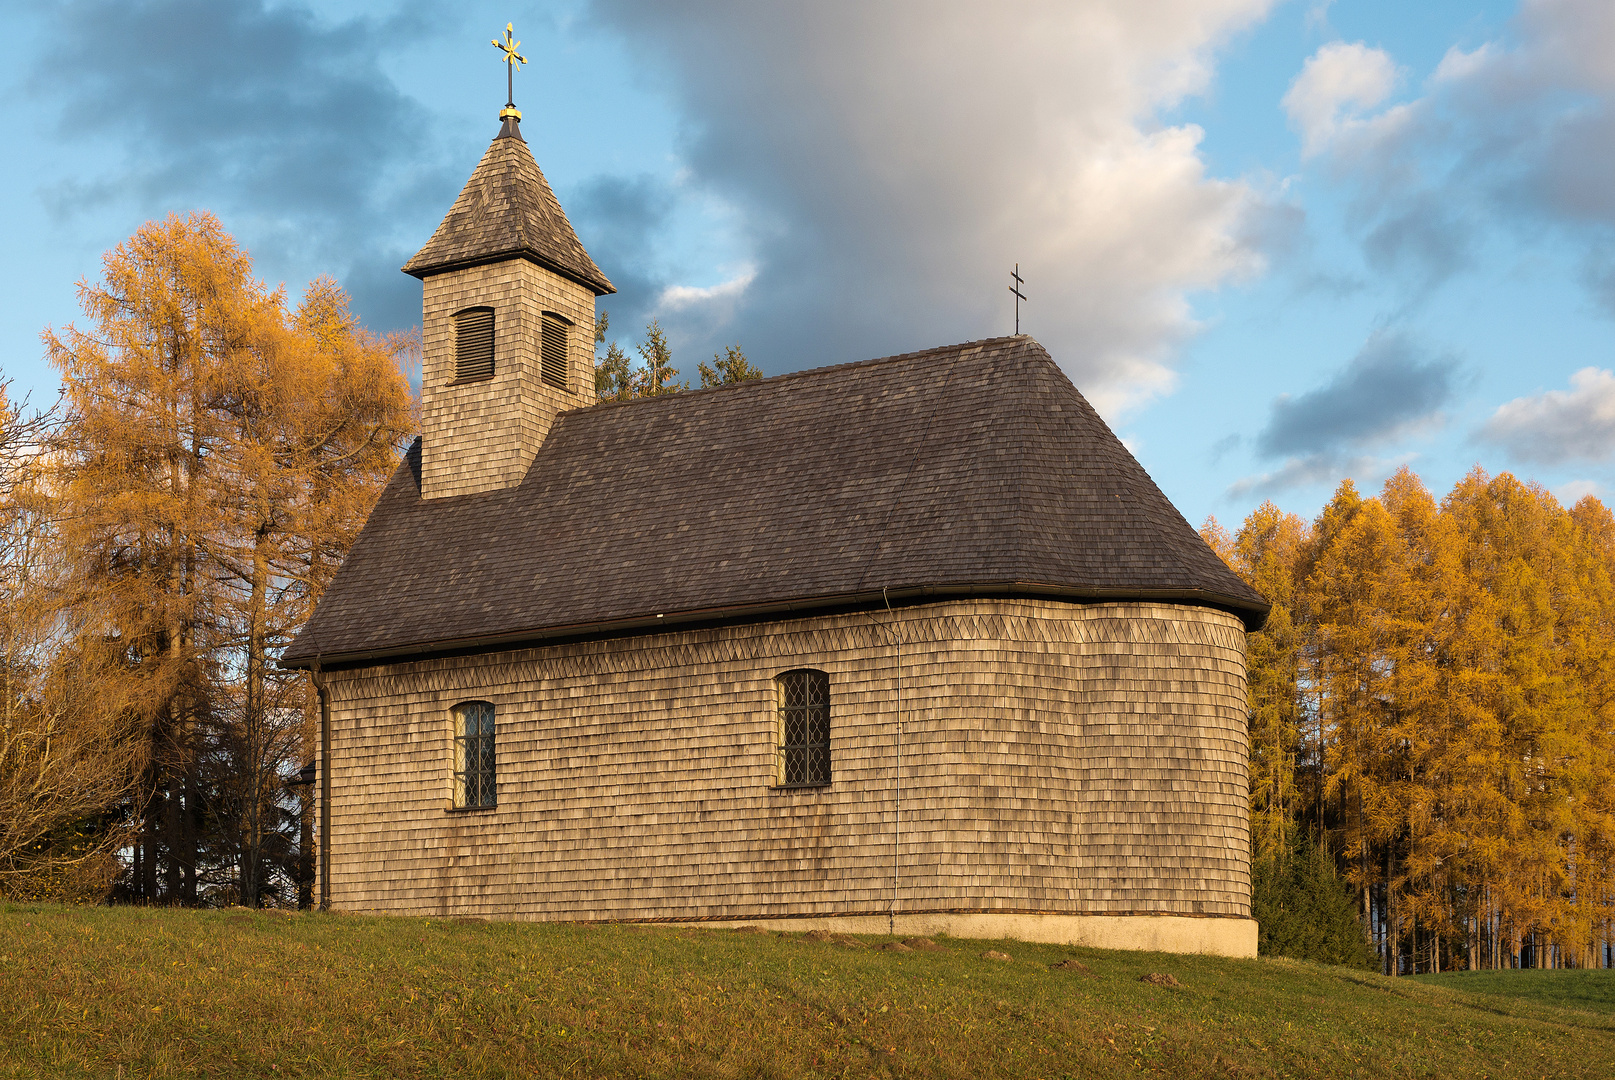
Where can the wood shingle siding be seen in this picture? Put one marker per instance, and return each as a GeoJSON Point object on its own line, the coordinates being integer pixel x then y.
{"type": "Point", "coordinates": [1060, 758]}
{"type": "Point", "coordinates": [1032, 667]}
{"type": "Point", "coordinates": [487, 431]}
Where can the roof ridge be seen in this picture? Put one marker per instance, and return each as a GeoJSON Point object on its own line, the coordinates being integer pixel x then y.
{"type": "Point", "coordinates": [922, 354]}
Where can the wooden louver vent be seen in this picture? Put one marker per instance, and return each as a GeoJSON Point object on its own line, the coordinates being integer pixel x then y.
{"type": "Point", "coordinates": [473, 344]}
{"type": "Point", "coordinates": [552, 351]}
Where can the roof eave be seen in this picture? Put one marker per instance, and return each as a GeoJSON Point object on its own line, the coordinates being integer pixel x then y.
{"type": "Point", "coordinates": [1252, 614]}
{"type": "Point", "coordinates": [600, 286]}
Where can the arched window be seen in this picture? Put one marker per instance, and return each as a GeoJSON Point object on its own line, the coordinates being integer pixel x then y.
{"type": "Point", "coordinates": [474, 778]}
{"type": "Point", "coordinates": [804, 728]}
{"type": "Point", "coordinates": [473, 344]}
{"type": "Point", "coordinates": [553, 337]}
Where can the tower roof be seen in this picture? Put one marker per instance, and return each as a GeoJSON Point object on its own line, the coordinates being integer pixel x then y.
{"type": "Point", "coordinates": [507, 211]}
{"type": "Point", "coordinates": [972, 470]}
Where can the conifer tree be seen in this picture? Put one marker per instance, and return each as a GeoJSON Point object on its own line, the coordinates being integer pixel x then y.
{"type": "Point", "coordinates": [1265, 552]}
{"type": "Point", "coordinates": [728, 367]}
{"type": "Point", "coordinates": [219, 454]}
{"type": "Point", "coordinates": [1453, 668]}
{"type": "Point", "coordinates": [657, 373]}
{"type": "Point", "coordinates": [63, 757]}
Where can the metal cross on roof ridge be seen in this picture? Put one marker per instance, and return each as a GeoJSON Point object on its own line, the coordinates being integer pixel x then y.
{"type": "Point", "coordinates": [509, 46]}
{"type": "Point", "coordinates": [1019, 296]}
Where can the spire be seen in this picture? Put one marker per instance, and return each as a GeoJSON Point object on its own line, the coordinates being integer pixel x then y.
{"type": "Point", "coordinates": [507, 210]}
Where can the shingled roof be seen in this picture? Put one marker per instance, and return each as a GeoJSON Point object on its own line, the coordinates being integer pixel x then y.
{"type": "Point", "coordinates": [975, 469]}
{"type": "Point", "coordinates": [507, 211]}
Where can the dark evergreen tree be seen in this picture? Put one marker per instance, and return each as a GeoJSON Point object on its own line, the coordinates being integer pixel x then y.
{"type": "Point", "coordinates": [1305, 910]}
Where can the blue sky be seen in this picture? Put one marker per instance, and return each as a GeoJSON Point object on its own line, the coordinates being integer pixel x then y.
{"type": "Point", "coordinates": [1277, 244]}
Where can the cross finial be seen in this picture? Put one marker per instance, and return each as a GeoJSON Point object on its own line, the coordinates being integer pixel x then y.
{"type": "Point", "coordinates": [1019, 296]}
{"type": "Point", "coordinates": [509, 46]}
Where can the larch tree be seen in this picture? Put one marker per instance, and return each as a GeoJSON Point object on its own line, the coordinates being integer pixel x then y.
{"type": "Point", "coordinates": [176, 314]}
{"type": "Point", "coordinates": [317, 430]}
{"type": "Point", "coordinates": [1453, 671]}
{"type": "Point", "coordinates": [219, 455]}
{"type": "Point", "coordinates": [1266, 552]}
{"type": "Point", "coordinates": [63, 758]}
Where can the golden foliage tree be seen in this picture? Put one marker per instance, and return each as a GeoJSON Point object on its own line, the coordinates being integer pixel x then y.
{"type": "Point", "coordinates": [219, 454]}
{"type": "Point", "coordinates": [1447, 671]}
{"type": "Point", "coordinates": [63, 759]}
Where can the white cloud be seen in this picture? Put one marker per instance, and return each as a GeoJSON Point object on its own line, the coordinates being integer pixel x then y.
{"type": "Point", "coordinates": [1559, 425]}
{"type": "Point", "coordinates": [1457, 65]}
{"type": "Point", "coordinates": [1573, 492]}
{"type": "Point", "coordinates": [895, 160]}
{"type": "Point", "coordinates": [724, 295]}
{"type": "Point", "coordinates": [1337, 85]}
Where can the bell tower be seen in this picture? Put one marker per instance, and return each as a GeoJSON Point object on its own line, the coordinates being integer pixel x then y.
{"type": "Point", "coordinates": [507, 319]}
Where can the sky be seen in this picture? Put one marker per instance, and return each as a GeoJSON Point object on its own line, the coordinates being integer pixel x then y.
{"type": "Point", "coordinates": [1277, 244]}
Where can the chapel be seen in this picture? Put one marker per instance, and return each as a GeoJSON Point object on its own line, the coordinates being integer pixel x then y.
{"type": "Point", "coordinates": [908, 645]}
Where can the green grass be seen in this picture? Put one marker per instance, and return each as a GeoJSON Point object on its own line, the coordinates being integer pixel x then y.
{"type": "Point", "coordinates": [137, 993]}
{"type": "Point", "coordinates": [1587, 991]}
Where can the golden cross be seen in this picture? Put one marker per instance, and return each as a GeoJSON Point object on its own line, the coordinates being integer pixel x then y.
{"type": "Point", "coordinates": [512, 58]}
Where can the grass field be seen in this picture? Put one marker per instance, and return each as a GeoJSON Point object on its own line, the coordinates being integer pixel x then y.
{"type": "Point", "coordinates": [140, 992]}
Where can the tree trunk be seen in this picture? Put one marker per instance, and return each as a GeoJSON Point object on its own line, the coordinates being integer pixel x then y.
{"type": "Point", "coordinates": [253, 824]}
{"type": "Point", "coordinates": [305, 848]}
{"type": "Point", "coordinates": [1393, 950]}
{"type": "Point", "coordinates": [153, 832]}
{"type": "Point", "coordinates": [171, 838]}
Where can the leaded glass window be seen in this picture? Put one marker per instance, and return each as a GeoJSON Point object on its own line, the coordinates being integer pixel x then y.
{"type": "Point", "coordinates": [474, 783]}
{"type": "Point", "coordinates": [804, 724]}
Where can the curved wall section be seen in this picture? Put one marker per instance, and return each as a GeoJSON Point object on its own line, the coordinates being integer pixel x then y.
{"type": "Point", "coordinates": [1056, 761]}
{"type": "Point", "coordinates": [1085, 759]}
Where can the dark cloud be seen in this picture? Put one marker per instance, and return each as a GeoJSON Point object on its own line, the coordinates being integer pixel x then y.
{"type": "Point", "coordinates": [284, 124]}
{"type": "Point", "coordinates": [1598, 271]}
{"type": "Point", "coordinates": [1518, 133]}
{"type": "Point", "coordinates": [1571, 172]}
{"type": "Point", "coordinates": [1223, 446]}
{"type": "Point", "coordinates": [1421, 238]}
{"type": "Point", "coordinates": [1389, 386]}
{"type": "Point", "coordinates": [1311, 470]}
{"type": "Point", "coordinates": [620, 219]}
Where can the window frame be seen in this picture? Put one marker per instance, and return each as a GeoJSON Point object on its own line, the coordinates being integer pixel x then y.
{"type": "Point", "coordinates": [483, 745]}
{"type": "Point", "coordinates": [803, 722]}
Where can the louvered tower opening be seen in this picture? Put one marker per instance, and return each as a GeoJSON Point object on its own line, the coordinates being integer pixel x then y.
{"type": "Point", "coordinates": [473, 344]}
{"type": "Point", "coordinates": [552, 350]}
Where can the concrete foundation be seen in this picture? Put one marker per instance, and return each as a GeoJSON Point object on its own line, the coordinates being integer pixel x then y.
{"type": "Point", "coordinates": [1144, 933]}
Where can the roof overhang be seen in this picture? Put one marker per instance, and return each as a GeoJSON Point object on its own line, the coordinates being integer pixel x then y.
{"type": "Point", "coordinates": [599, 288]}
{"type": "Point", "coordinates": [1252, 616]}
